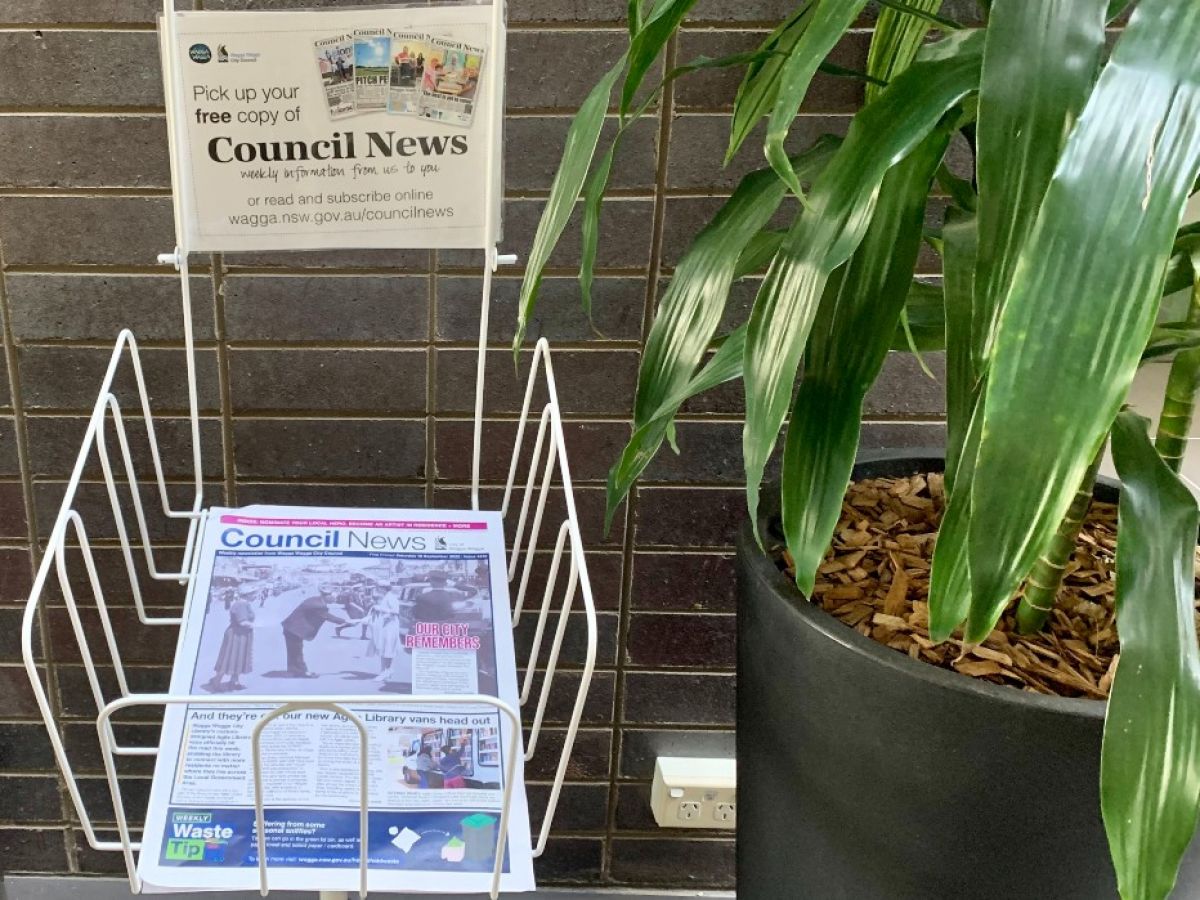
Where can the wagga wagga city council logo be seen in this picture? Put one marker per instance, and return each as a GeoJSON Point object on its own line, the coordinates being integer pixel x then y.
{"type": "Point", "coordinates": [199, 53]}
{"type": "Point", "coordinates": [225, 55]}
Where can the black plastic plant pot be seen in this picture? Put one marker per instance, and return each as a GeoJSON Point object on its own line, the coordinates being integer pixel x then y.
{"type": "Point", "coordinates": [865, 774]}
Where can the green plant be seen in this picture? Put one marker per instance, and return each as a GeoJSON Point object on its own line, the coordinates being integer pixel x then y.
{"type": "Point", "coordinates": [1057, 250]}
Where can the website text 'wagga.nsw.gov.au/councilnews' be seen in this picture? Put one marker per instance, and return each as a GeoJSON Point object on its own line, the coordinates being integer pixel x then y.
{"type": "Point", "coordinates": [359, 207]}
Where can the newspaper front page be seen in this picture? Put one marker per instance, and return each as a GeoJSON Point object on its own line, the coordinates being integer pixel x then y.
{"type": "Point", "coordinates": [372, 65]}
{"type": "Point", "coordinates": [335, 62]}
{"type": "Point", "coordinates": [451, 81]}
{"type": "Point", "coordinates": [327, 603]}
{"type": "Point", "coordinates": [408, 70]}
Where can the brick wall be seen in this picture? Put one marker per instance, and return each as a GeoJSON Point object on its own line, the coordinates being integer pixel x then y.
{"type": "Point", "coordinates": [347, 378]}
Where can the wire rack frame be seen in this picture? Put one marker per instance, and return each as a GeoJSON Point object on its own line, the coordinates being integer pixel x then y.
{"type": "Point", "coordinates": [548, 459]}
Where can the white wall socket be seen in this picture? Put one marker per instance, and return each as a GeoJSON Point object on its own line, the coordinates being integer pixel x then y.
{"type": "Point", "coordinates": [694, 793]}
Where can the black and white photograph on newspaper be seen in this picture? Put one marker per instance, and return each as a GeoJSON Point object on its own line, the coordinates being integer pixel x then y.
{"type": "Point", "coordinates": [347, 622]}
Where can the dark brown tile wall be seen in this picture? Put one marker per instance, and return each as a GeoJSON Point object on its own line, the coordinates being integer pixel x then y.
{"type": "Point", "coordinates": [347, 378]}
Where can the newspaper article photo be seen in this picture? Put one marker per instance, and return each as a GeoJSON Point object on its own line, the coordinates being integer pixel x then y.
{"type": "Point", "coordinates": [335, 61]}
{"type": "Point", "coordinates": [408, 69]}
{"type": "Point", "coordinates": [451, 80]}
{"type": "Point", "coordinates": [372, 52]}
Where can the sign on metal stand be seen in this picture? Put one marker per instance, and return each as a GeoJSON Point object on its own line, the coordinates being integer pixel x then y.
{"type": "Point", "coordinates": [324, 130]}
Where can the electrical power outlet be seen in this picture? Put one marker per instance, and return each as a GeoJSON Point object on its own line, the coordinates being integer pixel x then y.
{"type": "Point", "coordinates": [694, 793]}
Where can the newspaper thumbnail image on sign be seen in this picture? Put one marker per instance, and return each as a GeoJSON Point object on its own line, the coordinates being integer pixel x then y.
{"type": "Point", "coordinates": [326, 603]}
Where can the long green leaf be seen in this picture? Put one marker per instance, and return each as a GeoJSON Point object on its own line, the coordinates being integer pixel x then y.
{"type": "Point", "coordinates": [760, 85]}
{"type": "Point", "coordinates": [1038, 69]}
{"type": "Point", "coordinates": [825, 235]}
{"type": "Point", "coordinates": [924, 310]}
{"type": "Point", "coordinates": [950, 576]}
{"type": "Point", "coordinates": [963, 365]}
{"type": "Point", "coordinates": [959, 190]}
{"type": "Point", "coordinates": [848, 344]}
{"type": "Point", "coordinates": [692, 306]}
{"type": "Point", "coordinates": [647, 44]}
{"type": "Point", "coordinates": [694, 301]}
{"type": "Point", "coordinates": [593, 197]}
{"type": "Point", "coordinates": [1180, 275]}
{"type": "Point", "coordinates": [923, 306]}
{"type": "Point", "coordinates": [1150, 762]}
{"type": "Point", "coordinates": [597, 183]}
{"type": "Point", "coordinates": [918, 10]}
{"type": "Point", "coordinates": [647, 439]}
{"type": "Point", "coordinates": [633, 11]}
{"type": "Point", "coordinates": [1171, 338]}
{"type": "Point", "coordinates": [759, 252]}
{"type": "Point", "coordinates": [1115, 8]}
{"type": "Point", "coordinates": [830, 20]}
{"type": "Point", "coordinates": [578, 151]}
{"type": "Point", "coordinates": [894, 45]}
{"type": "Point", "coordinates": [1078, 315]}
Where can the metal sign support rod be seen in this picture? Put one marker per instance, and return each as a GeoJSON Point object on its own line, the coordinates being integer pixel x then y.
{"type": "Point", "coordinates": [174, 101]}
{"type": "Point", "coordinates": [492, 258]}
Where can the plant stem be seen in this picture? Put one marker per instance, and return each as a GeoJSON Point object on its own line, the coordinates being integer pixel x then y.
{"type": "Point", "coordinates": [1041, 588]}
{"type": "Point", "coordinates": [1179, 399]}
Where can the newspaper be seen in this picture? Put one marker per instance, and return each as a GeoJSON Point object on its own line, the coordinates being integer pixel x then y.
{"type": "Point", "coordinates": [335, 62]}
{"type": "Point", "coordinates": [329, 603]}
{"type": "Point", "coordinates": [451, 81]}
{"type": "Point", "coordinates": [372, 55]}
{"type": "Point", "coordinates": [408, 68]}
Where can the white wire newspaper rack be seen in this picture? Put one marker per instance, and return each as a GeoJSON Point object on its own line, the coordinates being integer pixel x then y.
{"type": "Point", "coordinates": [524, 507]}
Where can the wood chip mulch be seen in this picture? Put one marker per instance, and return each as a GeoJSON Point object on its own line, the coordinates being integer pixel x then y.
{"type": "Point", "coordinates": [875, 579]}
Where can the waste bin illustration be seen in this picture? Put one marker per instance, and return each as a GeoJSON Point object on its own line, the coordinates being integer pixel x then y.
{"type": "Point", "coordinates": [479, 834]}
{"type": "Point", "coordinates": [453, 850]}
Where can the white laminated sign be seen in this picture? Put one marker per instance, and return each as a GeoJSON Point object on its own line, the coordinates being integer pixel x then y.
{"type": "Point", "coordinates": [336, 128]}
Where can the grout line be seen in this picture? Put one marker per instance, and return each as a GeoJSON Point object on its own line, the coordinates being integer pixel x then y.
{"type": "Point", "coordinates": [460, 417]}
{"type": "Point", "coordinates": [86, 193]}
{"type": "Point", "coordinates": [112, 27]}
{"type": "Point", "coordinates": [82, 112]}
{"type": "Point", "coordinates": [221, 332]}
{"type": "Point", "coordinates": [284, 344]}
{"type": "Point", "coordinates": [97, 269]}
{"type": "Point", "coordinates": [233, 268]}
{"type": "Point", "coordinates": [67, 110]}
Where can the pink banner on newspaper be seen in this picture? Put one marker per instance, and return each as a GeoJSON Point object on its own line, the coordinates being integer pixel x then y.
{"type": "Point", "coordinates": [354, 523]}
